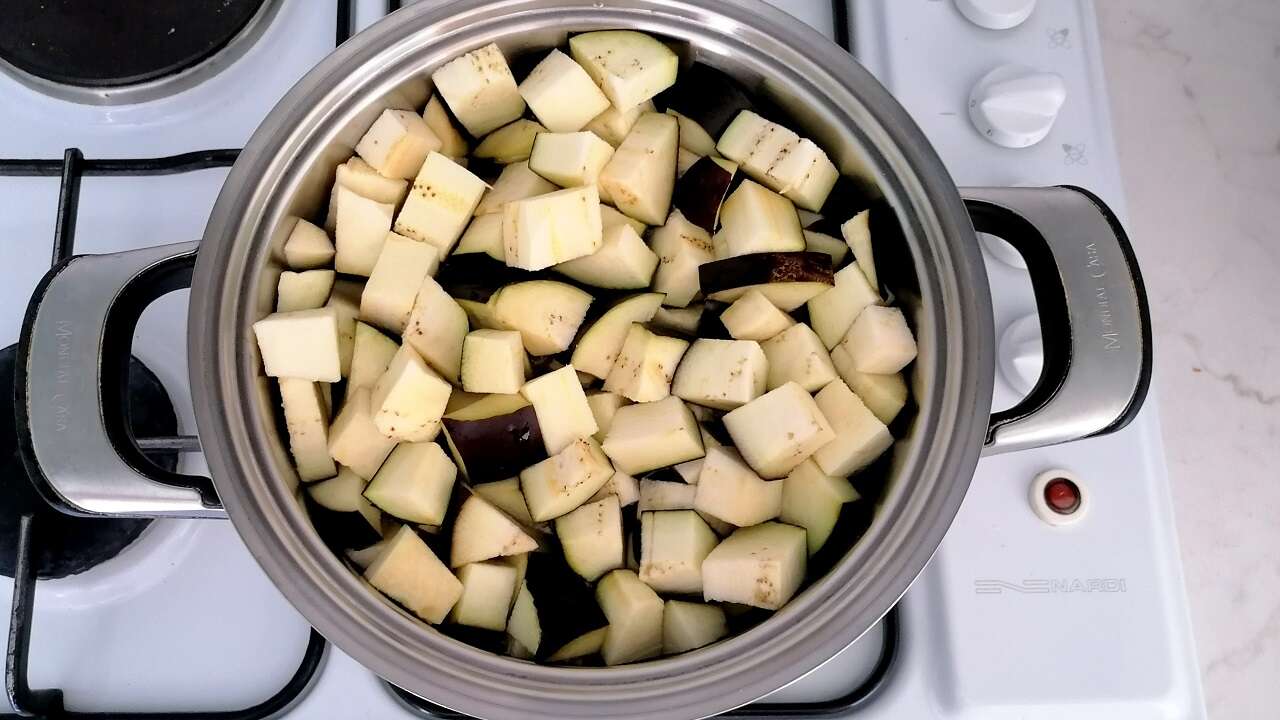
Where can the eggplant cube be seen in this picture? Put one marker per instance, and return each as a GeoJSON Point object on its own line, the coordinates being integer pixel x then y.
{"type": "Point", "coordinates": [487, 589]}
{"type": "Point", "coordinates": [683, 320]}
{"type": "Point", "coordinates": [641, 175]}
{"type": "Point", "coordinates": [645, 365]}
{"type": "Point", "coordinates": [610, 217]}
{"type": "Point", "coordinates": [759, 147]}
{"type": "Point", "coordinates": [483, 235]}
{"type": "Point", "coordinates": [361, 228]}
{"type": "Point", "coordinates": [700, 191]}
{"type": "Point", "coordinates": [493, 362]}
{"type": "Point", "coordinates": [511, 143]}
{"type": "Point", "coordinates": [482, 532]}
{"type": "Point", "coordinates": [397, 143]}
{"type": "Point", "coordinates": [566, 480]}
{"type": "Point", "coordinates": [441, 203]}
{"type": "Point", "coordinates": [612, 126]}
{"type": "Point", "coordinates": [523, 625]}
{"type": "Point", "coordinates": [561, 407]}
{"type": "Point", "coordinates": [634, 611]}
{"type": "Point", "coordinates": [658, 495]}
{"type": "Point", "coordinates": [507, 497]}
{"type": "Point", "coordinates": [620, 485]}
{"type": "Point", "coordinates": [306, 290]}
{"type": "Point", "coordinates": [722, 374]}
{"type": "Point", "coordinates": [414, 483]}
{"type": "Point", "coordinates": [673, 545]}
{"type": "Point", "coordinates": [811, 176]}
{"type": "Point", "coordinates": [302, 344]}
{"type": "Point", "coordinates": [727, 489]}
{"type": "Point", "coordinates": [682, 248]}
{"type": "Point", "coordinates": [879, 341]}
{"type": "Point", "coordinates": [436, 329]}
{"type": "Point", "coordinates": [832, 312]}
{"type": "Point", "coordinates": [761, 566]}
{"type": "Point", "coordinates": [653, 435]}
{"type": "Point", "coordinates": [778, 430]}
{"type": "Point", "coordinates": [562, 94]}
{"type": "Point", "coordinates": [495, 437]}
{"type": "Point", "coordinates": [884, 395]}
{"type": "Point", "coordinates": [354, 439]}
{"type": "Point", "coordinates": [631, 67]}
{"type": "Point", "coordinates": [542, 231]}
{"type": "Point", "coordinates": [452, 143]}
{"type": "Point", "coordinates": [688, 626]}
{"type": "Point", "coordinates": [756, 220]}
{"type": "Point", "coordinates": [307, 420]}
{"type": "Point", "coordinates": [599, 346]}
{"type": "Point", "coordinates": [786, 279]}
{"type": "Point", "coordinates": [308, 247]}
{"type": "Point", "coordinates": [860, 436]}
{"type": "Point", "coordinates": [361, 177]}
{"type": "Point", "coordinates": [798, 355]}
{"type": "Point", "coordinates": [603, 407]}
{"type": "Point", "coordinates": [570, 159]}
{"type": "Point", "coordinates": [547, 313]}
{"type": "Point", "coordinates": [623, 262]}
{"type": "Point", "coordinates": [393, 285]}
{"type": "Point", "coordinates": [341, 515]}
{"type": "Point", "coordinates": [812, 499]}
{"type": "Point", "coordinates": [753, 317]}
{"type": "Point", "coordinates": [409, 399]}
{"type": "Point", "coordinates": [409, 573]}
{"type": "Point", "coordinates": [517, 182]}
{"type": "Point", "coordinates": [591, 537]}
{"type": "Point", "coordinates": [480, 89]}
{"type": "Point", "coordinates": [370, 356]}
{"type": "Point", "coordinates": [821, 242]}
{"type": "Point", "coordinates": [857, 233]}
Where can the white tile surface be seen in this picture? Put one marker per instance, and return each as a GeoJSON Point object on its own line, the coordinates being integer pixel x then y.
{"type": "Point", "coordinates": [1195, 93]}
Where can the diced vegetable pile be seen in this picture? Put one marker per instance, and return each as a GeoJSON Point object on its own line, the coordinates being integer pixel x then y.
{"type": "Point", "coordinates": [586, 387]}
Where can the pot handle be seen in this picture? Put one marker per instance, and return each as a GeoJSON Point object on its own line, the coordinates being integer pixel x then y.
{"type": "Point", "coordinates": [1094, 320]}
{"type": "Point", "coordinates": [73, 363]}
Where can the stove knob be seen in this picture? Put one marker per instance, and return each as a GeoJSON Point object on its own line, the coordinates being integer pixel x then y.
{"type": "Point", "coordinates": [1022, 354]}
{"type": "Point", "coordinates": [1015, 106]}
{"type": "Point", "coordinates": [996, 14]}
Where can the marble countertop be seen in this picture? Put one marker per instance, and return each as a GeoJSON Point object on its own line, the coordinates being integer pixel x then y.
{"type": "Point", "coordinates": [1195, 96]}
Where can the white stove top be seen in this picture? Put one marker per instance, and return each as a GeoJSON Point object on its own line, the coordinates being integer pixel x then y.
{"type": "Point", "coordinates": [1013, 618]}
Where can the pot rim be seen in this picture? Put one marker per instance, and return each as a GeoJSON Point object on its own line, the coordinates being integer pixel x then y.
{"type": "Point", "coordinates": [932, 470]}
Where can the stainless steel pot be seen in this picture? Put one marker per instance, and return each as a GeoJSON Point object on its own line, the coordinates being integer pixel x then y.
{"type": "Point", "coordinates": [1096, 334]}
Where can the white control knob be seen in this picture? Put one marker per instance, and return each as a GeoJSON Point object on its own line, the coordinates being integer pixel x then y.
{"type": "Point", "coordinates": [1015, 106]}
{"type": "Point", "coordinates": [1022, 354]}
{"type": "Point", "coordinates": [996, 14]}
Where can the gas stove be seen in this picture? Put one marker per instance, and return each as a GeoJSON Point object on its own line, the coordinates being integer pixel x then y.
{"type": "Point", "coordinates": [1023, 612]}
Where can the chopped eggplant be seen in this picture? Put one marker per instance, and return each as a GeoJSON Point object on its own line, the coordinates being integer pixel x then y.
{"type": "Point", "coordinates": [495, 437]}
{"type": "Point", "coordinates": [884, 395]}
{"type": "Point", "coordinates": [440, 205]}
{"type": "Point", "coordinates": [682, 248]}
{"type": "Point", "coordinates": [857, 233]}
{"type": "Point", "coordinates": [860, 436]}
{"type": "Point", "coordinates": [308, 247]}
{"type": "Point", "coordinates": [341, 515]}
{"type": "Point", "coordinates": [570, 159]}
{"type": "Point", "coordinates": [354, 439]}
{"type": "Point", "coordinates": [345, 303]}
{"type": "Point", "coordinates": [683, 320]}
{"type": "Point", "coordinates": [549, 229]}
{"type": "Point", "coordinates": [586, 644]}
{"type": "Point", "coordinates": [640, 177]}
{"type": "Point", "coordinates": [599, 346]}
{"type": "Point", "coordinates": [436, 329]}
{"type": "Point", "coordinates": [493, 362]}
{"type": "Point", "coordinates": [482, 532]}
{"type": "Point", "coordinates": [753, 317]}
{"type": "Point", "coordinates": [812, 499]}
{"type": "Point", "coordinates": [389, 295]}
{"type": "Point", "coordinates": [761, 566]}
{"type": "Point", "coordinates": [612, 126]}
{"type": "Point", "coordinates": [561, 407]}
{"type": "Point", "coordinates": [815, 241]}
{"type": "Point", "coordinates": [693, 137]}
{"type": "Point", "coordinates": [507, 497]}
{"type": "Point", "coordinates": [546, 313]}
{"type": "Point", "coordinates": [634, 611]}
{"type": "Point", "coordinates": [879, 341]}
{"type": "Point", "coordinates": [787, 279]}
{"type": "Point", "coordinates": [658, 495]}
{"type": "Point", "coordinates": [706, 96]}
{"type": "Point", "coordinates": [483, 235]}
{"type": "Point", "coordinates": [487, 589]}
{"type": "Point", "coordinates": [610, 217]}
{"type": "Point", "coordinates": [688, 626]}
{"type": "Point", "coordinates": [361, 228]}
{"type": "Point", "coordinates": [833, 311]}
{"type": "Point", "coordinates": [645, 365]}
{"type": "Point", "coordinates": [414, 484]}
{"type": "Point", "coordinates": [302, 344]}
{"type": "Point", "coordinates": [307, 422]}
{"type": "Point", "coordinates": [701, 191]}
{"type": "Point", "coordinates": [653, 435]}
{"type": "Point", "coordinates": [620, 485]}
{"type": "Point", "coordinates": [523, 625]}
{"type": "Point", "coordinates": [780, 159]}
{"type": "Point", "coordinates": [630, 67]}
{"type": "Point", "coordinates": [452, 143]}
{"type": "Point", "coordinates": [673, 544]}
{"type": "Point", "coordinates": [306, 290]}
{"type": "Point", "coordinates": [561, 94]}
{"type": "Point", "coordinates": [567, 608]}
{"type": "Point", "coordinates": [622, 262]}
{"type": "Point", "coordinates": [728, 489]}
{"type": "Point", "coordinates": [566, 480]}
{"type": "Point", "coordinates": [409, 573]}
{"type": "Point", "coordinates": [603, 407]}
{"type": "Point", "coordinates": [778, 430]}
{"type": "Point", "coordinates": [797, 355]}
{"type": "Point", "coordinates": [723, 374]}
{"type": "Point", "coordinates": [511, 143]}
{"type": "Point", "coordinates": [408, 400]}
{"type": "Point", "coordinates": [480, 90]}
{"type": "Point", "coordinates": [517, 182]}
{"type": "Point", "coordinates": [591, 537]}
{"type": "Point", "coordinates": [397, 143]}
{"type": "Point", "coordinates": [758, 220]}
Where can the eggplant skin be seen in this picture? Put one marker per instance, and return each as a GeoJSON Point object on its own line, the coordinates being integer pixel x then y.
{"type": "Point", "coordinates": [707, 96]}
{"type": "Point", "coordinates": [765, 268]}
{"type": "Point", "coordinates": [700, 191]}
{"type": "Point", "coordinates": [341, 530]}
{"type": "Point", "coordinates": [499, 447]}
{"type": "Point", "coordinates": [565, 602]}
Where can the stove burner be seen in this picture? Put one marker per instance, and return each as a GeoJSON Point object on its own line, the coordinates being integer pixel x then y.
{"type": "Point", "coordinates": [68, 545]}
{"type": "Point", "coordinates": [120, 43]}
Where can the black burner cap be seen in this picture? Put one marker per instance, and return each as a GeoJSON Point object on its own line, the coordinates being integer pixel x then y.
{"type": "Point", "coordinates": [89, 43]}
{"type": "Point", "coordinates": [66, 545]}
